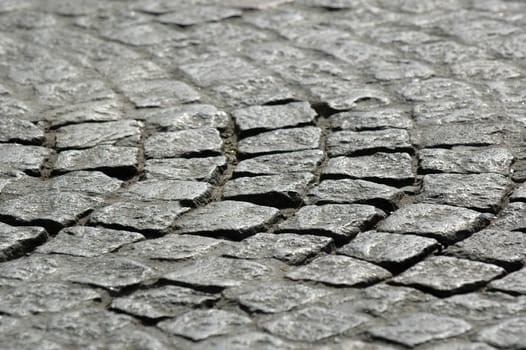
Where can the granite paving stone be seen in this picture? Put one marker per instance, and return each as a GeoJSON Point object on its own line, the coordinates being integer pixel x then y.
{"type": "Point", "coordinates": [347, 142]}
{"type": "Point", "coordinates": [206, 169]}
{"type": "Point", "coordinates": [438, 88]}
{"type": "Point", "coordinates": [246, 340]}
{"type": "Point", "coordinates": [214, 71]}
{"type": "Point", "coordinates": [188, 193]}
{"type": "Point", "coordinates": [355, 345]}
{"type": "Point", "coordinates": [506, 334]}
{"type": "Point", "coordinates": [443, 112]}
{"type": "Point", "coordinates": [23, 131]}
{"type": "Point", "coordinates": [29, 159]}
{"type": "Point", "coordinates": [106, 158]}
{"type": "Point", "coordinates": [519, 195]}
{"type": "Point", "coordinates": [57, 94]}
{"type": "Point", "coordinates": [512, 283]}
{"type": "Point", "coordinates": [460, 134]}
{"type": "Point", "coordinates": [142, 34]}
{"type": "Point", "coordinates": [512, 218]}
{"type": "Point", "coordinates": [338, 221]}
{"type": "Point", "coordinates": [384, 118]}
{"type": "Point", "coordinates": [192, 15]}
{"type": "Point", "coordinates": [16, 241]}
{"type": "Point", "coordinates": [159, 93]}
{"type": "Point", "coordinates": [280, 163]}
{"type": "Point", "coordinates": [183, 117]}
{"type": "Point", "coordinates": [445, 275]}
{"type": "Point", "coordinates": [194, 142]}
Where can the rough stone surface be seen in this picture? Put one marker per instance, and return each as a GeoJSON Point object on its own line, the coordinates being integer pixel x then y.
{"type": "Point", "coordinates": [106, 158]}
{"type": "Point", "coordinates": [189, 193]}
{"type": "Point", "coordinates": [23, 131]}
{"type": "Point", "coordinates": [371, 120]}
{"type": "Point", "coordinates": [512, 283]}
{"type": "Point", "coordinates": [184, 117]}
{"type": "Point", "coordinates": [507, 334]}
{"type": "Point", "coordinates": [345, 143]}
{"type": "Point", "coordinates": [26, 158]}
{"type": "Point", "coordinates": [205, 141]}
{"type": "Point", "coordinates": [286, 140]}
{"type": "Point", "coordinates": [198, 169]}
{"type": "Point", "coordinates": [275, 164]}
{"type": "Point", "coordinates": [15, 241]}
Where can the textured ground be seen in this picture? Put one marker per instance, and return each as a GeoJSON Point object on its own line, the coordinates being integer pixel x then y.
{"type": "Point", "coordinates": [262, 174]}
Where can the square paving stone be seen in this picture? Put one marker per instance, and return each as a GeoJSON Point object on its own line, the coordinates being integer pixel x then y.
{"type": "Point", "coordinates": [466, 160]}
{"type": "Point", "coordinates": [219, 272]}
{"type": "Point", "coordinates": [347, 191]}
{"type": "Point", "coordinates": [188, 193]}
{"type": "Point", "coordinates": [507, 334]}
{"type": "Point", "coordinates": [281, 163]}
{"type": "Point", "coordinates": [172, 247]}
{"type": "Point", "coordinates": [278, 296]}
{"type": "Point", "coordinates": [355, 345]}
{"type": "Point", "coordinates": [106, 158]}
{"type": "Point", "coordinates": [460, 134]}
{"type": "Point", "coordinates": [194, 142]}
{"type": "Point", "coordinates": [380, 167]}
{"type": "Point", "coordinates": [505, 248]}
{"type": "Point", "coordinates": [18, 130]}
{"type": "Point", "coordinates": [284, 140]}
{"type": "Point", "coordinates": [154, 217]}
{"type": "Point", "coordinates": [164, 301]}
{"type": "Point", "coordinates": [202, 324]}
{"type": "Point", "coordinates": [207, 169]}
{"type": "Point", "coordinates": [51, 209]}
{"type": "Point", "coordinates": [438, 88]}
{"type": "Point", "coordinates": [86, 135]}
{"type": "Point", "coordinates": [279, 191]}
{"type": "Point", "coordinates": [58, 94]}
{"type": "Point", "coordinates": [258, 118]}
{"type": "Point", "coordinates": [205, 73]}
{"type": "Point", "coordinates": [190, 116]}
{"type": "Point", "coordinates": [227, 218]}
{"type": "Point", "coordinates": [420, 328]}
{"type": "Point", "coordinates": [512, 217]}
{"type": "Point", "coordinates": [34, 298]}
{"type": "Point", "coordinates": [444, 275]}
{"type": "Point", "coordinates": [442, 222]}
{"type": "Point", "coordinates": [346, 142]}
{"type": "Point", "coordinates": [159, 93]}
{"type": "Point", "coordinates": [192, 15]}
{"type": "Point", "coordinates": [384, 118]}
{"type": "Point", "coordinates": [339, 221]}
{"type": "Point", "coordinates": [254, 340]}
{"type": "Point", "coordinates": [311, 324]}
{"type": "Point", "coordinates": [142, 34]}
{"type": "Point", "coordinates": [339, 270]}
{"type": "Point", "coordinates": [26, 158]}
{"type": "Point", "coordinates": [88, 241]}
{"type": "Point", "coordinates": [514, 283]}
{"type": "Point", "coordinates": [83, 112]}
{"type": "Point", "coordinates": [341, 95]}
{"type": "Point", "coordinates": [37, 267]}
{"type": "Point", "coordinates": [15, 241]}
{"type": "Point", "coordinates": [475, 191]}
{"type": "Point", "coordinates": [452, 112]}
{"type": "Point", "coordinates": [390, 250]}
{"type": "Point", "coordinates": [288, 247]}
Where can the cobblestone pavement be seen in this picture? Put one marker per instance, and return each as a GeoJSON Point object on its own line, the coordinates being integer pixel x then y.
{"type": "Point", "coordinates": [262, 174]}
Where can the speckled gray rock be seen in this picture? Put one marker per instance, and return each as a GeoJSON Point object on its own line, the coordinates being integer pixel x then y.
{"type": "Point", "coordinates": [512, 217]}
{"type": "Point", "coordinates": [288, 247]}
{"type": "Point", "coordinates": [163, 301]}
{"type": "Point", "coordinates": [513, 283]}
{"type": "Point", "coordinates": [281, 163]}
{"type": "Point", "coordinates": [396, 69]}
{"type": "Point", "coordinates": [58, 94]}
{"type": "Point", "coordinates": [519, 195]}
{"type": "Point", "coordinates": [191, 15]}
{"type": "Point", "coordinates": [384, 118]}
{"type": "Point", "coordinates": [118, 133]}
{"type": "Point", "coordinates": [466, 160]}
{"type": "Point", "coordinates": [507, 334]}
{"type": "Point", "coordinates": [198, 169]}
{"type": "Point", "coordinates": [221, 272]}
{"type": "Point", "coordinates": [343, 95]}
{"type": "Point", "coordinates": [23, 131]}
{"type": "Point", "coordinates": [285, 140]}
{"type": "Point", "coordinates": [500, 247]}
{"type": "Point", "coordinates": [228, 218]}
{"type": "Point", "coordinates": [188, 193]}
{"type": "Point", "coordinates": [444, 275]}
{"type": "Point", "coordinates": [202, 324]}
{"type": "Point", "coordinates": [311, 324]}
{"type": "Point", "coordinates": [285, 190]}
{"type": "Point", "coordinates": [442, 222]}
{"type": "Point", "coordinates": [246, 340]}
{"type": "Point", "coordinates": [36, 267]}
{"type": "Point", "coordinates": [279, 296]}
{"type": "Point", "coordinates": [25, 158]}
{"type": "Point", "coordinates": [88, 241]}
{"type": "Point", "coordinates": [354, 345]}
{"type": "Point", "coordinates": [420, 328]}
{"type": "Point", "coordinates": [389, 249]}
{"type": "Point", "coordinates": [190, 116]}
{"type": "Point", "coordinates": [15, 241]}
{"type": "Point", "coordinates": [192, 142]}
{"type": "Point", "coordinates": [339, 221]}
{"type": "Point", "coordinates": [34, 298]}
{"type": "Point", "coordinates": [346, 191]}
{"type": "Point", "coordinates": [218, 70]}
{"type": "Point", "coordinates": [475, 191]}
{"type": "Point", "coordinates": [159, 93]}
{"type": "Point", "coordinates": [460, 134]}
{"type": "Point", "coordinates": [339, 270]}
{"type": "Point", "coordinates": [142, 34]}
{"type": "Point", "coordinates": [105, 158]}
{"type": "Point", "coordinates": [380, 167]}
{"type": "Point", "coordinates": [172, 247]}
{"type": "Point", "coordinates": [345, 143]}
{"type": "Point", "coordinates": [442, 112]}
{"type": "Point", "coordinates": [438, 88]}
{"type": "Point", "coordinates": [156, 217]}
{"type": "Point", "coordinates": [258, 118]}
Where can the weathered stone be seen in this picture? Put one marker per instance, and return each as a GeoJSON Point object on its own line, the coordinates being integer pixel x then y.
{"type": "Point", "coordinates": [339, 270]}
{"type": "Point", "coordinates": [194, 142]}
{"type": "Point", "coordinates": [188, 193]}
{"type": "Point", "coordinates": [511, 218]}
{"type": "Point", "coordinates": [25, 158]}
{"type": "Point", "coordinates": [444, 275]}
{"type": "Point", "coordinates": [311, 324]}
{"type": "Point", "coordinates": [507, 334]}
{"type": "Point", "coordinates": [389, 249]}
{"type": "Point", "coordinates": [249, 340]}
{"type": "Point", "coordinates": [467, 134]}
{"type": "Point", "coordinates": [279, 191]}
{"type": "Point", "coordinates": [383, 118]}
{"type": "Point", "coordinates": [475, 191]}
{"type": "Point", "coordinates": [288, 247]}
{"type": "Point", "coordinates": [15, 241]}
{"type": "Point", "coordinates": [258, 118]}
{"type": "Point", "coordinates": [189, 169]}
{"type": "Point", "coordinates": [146, 217]}
{"type": "Point", "coordinates": [285, 140]}
{"type": "Point", "coordinates": [218, 70]}
{"type": "Point", "coordinates": [227, 218]}
{"type": "Point", "coordinates": [221, 272]}
{"type": "Point", "coordinates": [345, 143]}
{"type": "Point", "coordinates": [159, 93]}
{"type": "Point", "coordinates": [191, 15]}
{"type": "Point", "coordinates": [190, 116]}
{"type": "Point", "coordinates": [164, 301]}
{"type": "Point", "coordinates": [98, 111]}
{"type": "Point", "coordinates": [460, 345]}
{"type": "Point", "coordinates": [202, 324]}
{"type": "Point", "coordinates": [442, 222]}
{"type": "Point", "coordinates": [339, 221]}
{"type": "Point", "coordinates": [485, 70]}
{"type": "Point", "coordinates": [465, 160]}
{"type": "Point", "coordinates": [255, 5]}
{"type": "Point", "coordinates": [438, 88]}
{"type": "Point", "coordinates": [23, 131]}
{"type": "Point", "coordinates": [519, 195]}
{"type": "Point", "coordinates": [88, 241]}
{"type": "Point", "coordinates": [420, 328]}
{"type": "Point", "coordinates": [513, 283]}
{"type": "Point", "coordinates": [274, 164]}
{"type": "Point", "coordinates": [58, 94]}
{"type": "Point", "coordinates": [396, 69]}
{"type": "Point", "coordinates": [42, 69]}
{"type": "Point", "coordinates": [38, 267]}
{"type": "Point", "coordinates": [142, 34]}
{"type": "Point", "coordinates": [106, 158]}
